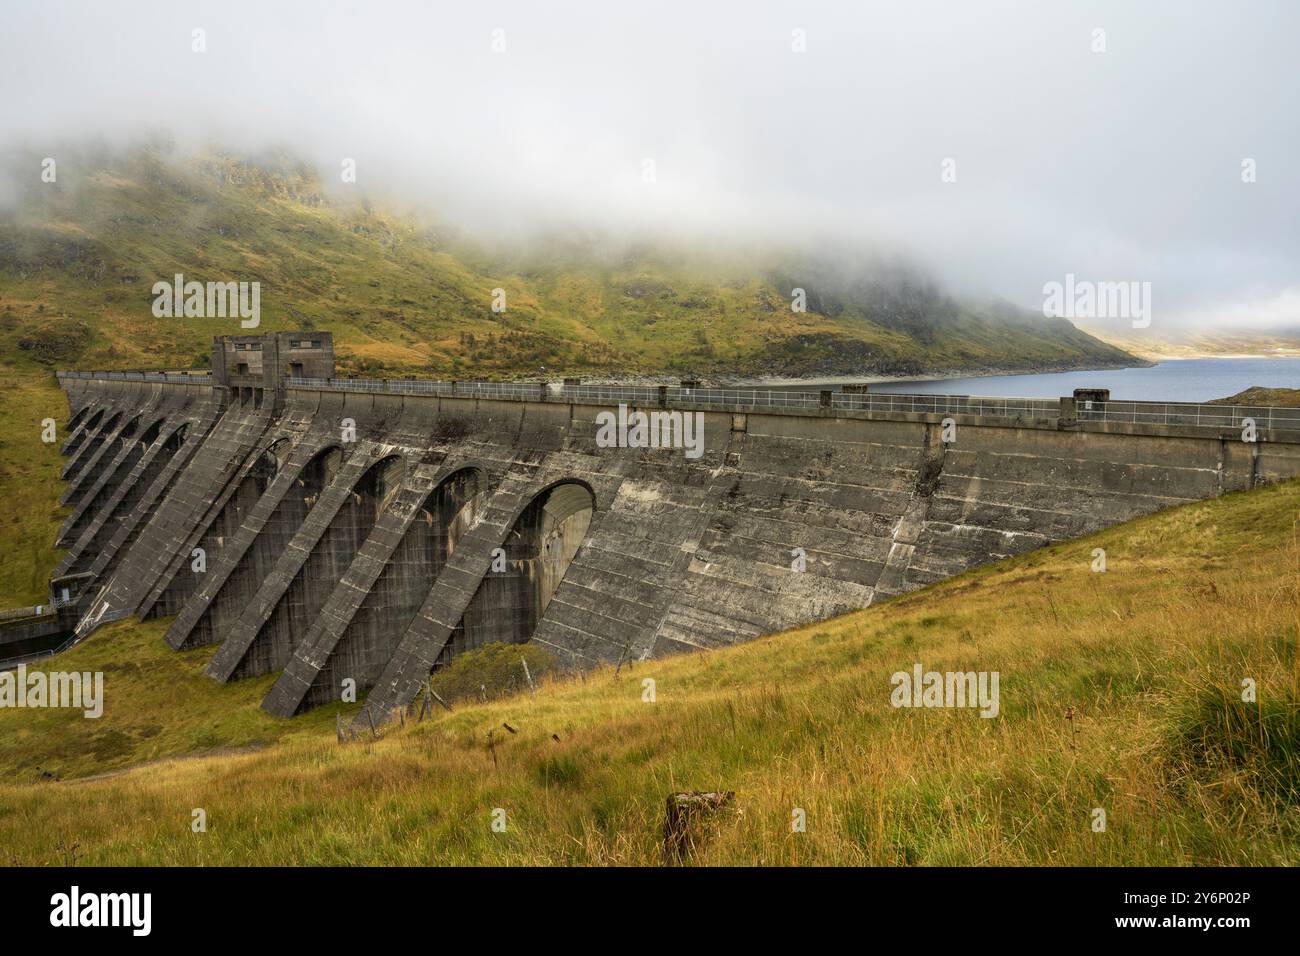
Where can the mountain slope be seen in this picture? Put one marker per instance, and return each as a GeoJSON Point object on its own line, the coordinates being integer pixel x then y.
{"type": "Point", "coordinates": [78, 259]}
{"type": "Point", "coordinates": [1199, 343]}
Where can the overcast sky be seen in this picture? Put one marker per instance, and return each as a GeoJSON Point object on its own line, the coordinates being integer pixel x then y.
{"type": "Point", "coordinates": [1116, 165]}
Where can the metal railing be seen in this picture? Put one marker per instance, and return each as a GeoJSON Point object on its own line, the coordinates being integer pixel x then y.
{"type": "Point", "coordinates": [719, 397]}
{"type": "Point", "coordinates": [183, 378]}
{"type": "Point", "coordinates": [1017, 409]}
{"type": "Point", "coordinates": [1023, 409]}
{"type": "Point", "coordinates": [1188, 413]}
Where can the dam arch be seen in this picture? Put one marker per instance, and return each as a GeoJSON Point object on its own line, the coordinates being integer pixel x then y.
{"type": "Point", "coordinates": [223, 525]}
{"type": "Point", "coordinates": [78, 439]}
{"type": "Point", "coordinates": [76, 471]}
{"type": "Point", "coordinates": [76, 417]}
{"type": "Point", "coordinates": [330, 557]}
{"type": "Point", "coordinates": [168, 449]}
{"type": "Point", "coordinates": [541, 544]}
{"type": "Point", "coordinates": [104, 498]}
{"type": "Point", "coordinates": [256, 563]}
{"type": "Point", "coordinates": [374, 631]}
{"type": "Point", "coordinates": [96, 486]}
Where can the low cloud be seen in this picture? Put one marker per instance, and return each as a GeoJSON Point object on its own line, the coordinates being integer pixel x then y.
{"type": "Point", "coordinates": [707, 122]}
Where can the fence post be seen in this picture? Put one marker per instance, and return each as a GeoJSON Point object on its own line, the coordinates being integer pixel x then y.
{"type": "Point", "coordinates": [528, 676]}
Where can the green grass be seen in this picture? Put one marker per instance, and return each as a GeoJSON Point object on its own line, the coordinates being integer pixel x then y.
{"type": "Point", "coordinates": [78, 260]}
{"type": "Point", "coordinates": [1119, 691]}
{"type": "Point", "coordinates": [29, 486]}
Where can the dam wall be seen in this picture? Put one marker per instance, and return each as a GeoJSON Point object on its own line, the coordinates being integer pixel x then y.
{"type": "Point", "coordinates": [340, 530]}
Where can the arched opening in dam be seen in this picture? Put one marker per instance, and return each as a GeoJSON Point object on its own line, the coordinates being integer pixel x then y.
{"type": "Point", "coordinates": [115, 467]}
{"type": "Point", "coordinates": [320, 573]}
{"type": "Point", "coordinates": [86, 557]}
{"type": "Point", "coordinates": [256, 563]}
{"type": "Point", "coordinates": [74, 474]}
{"type": "Point", "coordinates": [76, 419]}
{"type": "Point", "coordinates": [135, 494]}
{"type": "Point", "coordinates": [537, 552]}
{"type": "Point", "coordinates": [249, 491]}
{"type": "Point", "coordinates": [79, 438]}
{"type": "Point", "coordinates": [375, 630]}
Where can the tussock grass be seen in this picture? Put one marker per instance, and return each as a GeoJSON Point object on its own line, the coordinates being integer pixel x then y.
{"type": "Point", "coordinates": [1116, 693]}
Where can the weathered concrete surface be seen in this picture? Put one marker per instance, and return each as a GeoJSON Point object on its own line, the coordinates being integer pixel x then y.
{"type": "Point", "coordinates": [339, 546]}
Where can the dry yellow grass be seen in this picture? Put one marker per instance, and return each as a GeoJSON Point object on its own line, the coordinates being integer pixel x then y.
{"type": "Point", "coordinates": [1119, 691]}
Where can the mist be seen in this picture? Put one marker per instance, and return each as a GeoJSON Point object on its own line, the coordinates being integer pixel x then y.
{"type": "Point", "coordinates": [993, 144]}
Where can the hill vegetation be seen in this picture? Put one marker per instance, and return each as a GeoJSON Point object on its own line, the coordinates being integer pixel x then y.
{"type": "Point", "coordinates": [29, 487]}
{"type": "Point", "coordinates": [1284, 397]}
{"type": "Point", "coordinates": [79, 257]}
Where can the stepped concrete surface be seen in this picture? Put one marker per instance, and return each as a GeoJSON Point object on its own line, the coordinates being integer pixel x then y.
{"type": "Point", "coordinates": [359, 534]}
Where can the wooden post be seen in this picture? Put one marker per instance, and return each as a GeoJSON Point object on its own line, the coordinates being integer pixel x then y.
{"type": "Point", "coordinates": [683, 820]}
{"type": "Point", "coordinates": [440, 700]}
{"type": "Point", "coordinates": [528, 676]}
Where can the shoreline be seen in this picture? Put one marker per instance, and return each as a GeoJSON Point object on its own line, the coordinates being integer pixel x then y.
{"type": "Point", "coordinates": [786, 381]}
{"type": "Point", "coordinates": [780, 381]}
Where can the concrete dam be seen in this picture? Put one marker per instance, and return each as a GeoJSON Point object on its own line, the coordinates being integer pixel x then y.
{"type": "Point", "coordinates": [326, 529]}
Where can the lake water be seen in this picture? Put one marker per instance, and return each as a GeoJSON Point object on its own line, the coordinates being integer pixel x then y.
{"type": "Point", "coordinates": [1181, 380]}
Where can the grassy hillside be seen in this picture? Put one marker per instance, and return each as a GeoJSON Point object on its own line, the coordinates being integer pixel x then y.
{"type": "Point", "coordinates": [78, 259]}
{"type": "Point", "coordinates": [29, 486]}
{"type": "Point", "coordinates": [1284, 397]}
{"type": "Point", "coordinates": [1119, 690]}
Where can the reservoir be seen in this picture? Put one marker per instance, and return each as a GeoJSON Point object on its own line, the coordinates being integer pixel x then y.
{"type": "Point", "coordinates": [1174, 380]}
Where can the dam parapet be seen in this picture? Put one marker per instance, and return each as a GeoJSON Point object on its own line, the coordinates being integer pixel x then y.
{"type": "Point", "coordinates": [336, 530]}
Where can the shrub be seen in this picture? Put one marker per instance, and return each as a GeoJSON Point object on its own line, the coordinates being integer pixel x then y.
{"type": "Point", "coordinates": [493, 670]}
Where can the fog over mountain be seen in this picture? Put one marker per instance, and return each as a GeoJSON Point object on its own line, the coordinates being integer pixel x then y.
{"type": "Point", "coordinates": [821, 125]}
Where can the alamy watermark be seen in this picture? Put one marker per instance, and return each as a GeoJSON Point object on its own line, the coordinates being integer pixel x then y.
{"type": "Point", "coordinates": [922, 688]}
{"type": "Point", "coordinates": [75, 908]}
{"type": "Point", "coordinates": [210, 300]}
{"type": "Point", "coordinates": [659, 429]}
{"type": "Point", "coordinates": [77, 690]}
{"type": "Point", "coordinates": [1083, 299]}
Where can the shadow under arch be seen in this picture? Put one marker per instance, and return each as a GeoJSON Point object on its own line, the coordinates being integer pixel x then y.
{"type": "Point", "coordinates": [320, 573]}
{"type": "Point", "coordinates": [74, 469]}
{"type": "Point", "coordinates": [77, 416]}
{"type": "Point", "coordinates": [256, 563]}
{"type": "Point", "coordinates": [77, 440]}
{"type": "Point", "coordinates": [112, 467]}
{"type": "Point", "coordinates": [371, 637]}
{"type": "Point", "coordinates": [121, 474]}
{"type": "Point", "coordinates": [222, 527]}
{"type": "Point", "coordinates": [169, 449]}
{"type": "Point", "coordinates": [524, 576]}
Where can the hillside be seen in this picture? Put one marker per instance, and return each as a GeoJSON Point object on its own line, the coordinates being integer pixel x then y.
{"type": "Point", "coordinates": [1108, 700]}
{"type": "Point", "coordinates": [29, 487]}
{"type": "Point", "coordinates": [1284, 397]}
{"type": "Point", "coordinates": [1196, 342]}
{"type": "Point", "coordinates": [78, 259]}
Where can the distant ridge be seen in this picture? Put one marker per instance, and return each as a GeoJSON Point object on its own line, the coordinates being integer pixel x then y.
{"type": "Point", "coordinates": [78, 259]}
